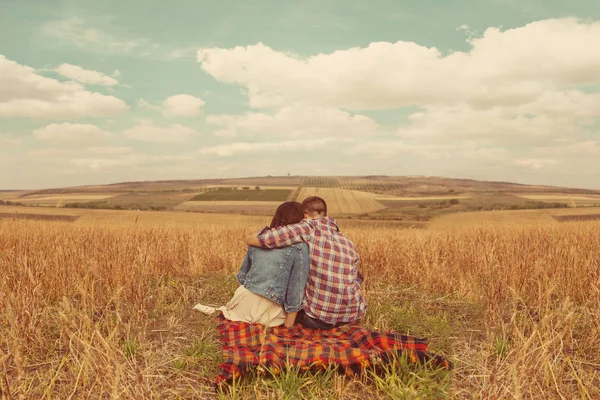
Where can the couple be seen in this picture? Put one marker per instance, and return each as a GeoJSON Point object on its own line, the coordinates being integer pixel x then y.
{"type": "Point", "coordinates": [300, 269]}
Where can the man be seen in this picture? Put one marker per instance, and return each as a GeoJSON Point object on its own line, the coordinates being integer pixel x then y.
{"type": "Point", "coordinates": [332, 296]}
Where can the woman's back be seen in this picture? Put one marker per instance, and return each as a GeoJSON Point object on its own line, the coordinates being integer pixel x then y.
{"type": "Point", "coordinates": [271, 281]}
{"type": "Point", "coordinates": [278, 274]}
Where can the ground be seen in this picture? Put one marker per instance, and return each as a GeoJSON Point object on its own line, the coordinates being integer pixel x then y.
{"type": "Point", "coordinates": [102, 306]}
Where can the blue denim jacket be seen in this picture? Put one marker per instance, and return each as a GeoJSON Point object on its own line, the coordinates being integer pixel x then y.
{"type": "Point", "coordinates": [278, 274]}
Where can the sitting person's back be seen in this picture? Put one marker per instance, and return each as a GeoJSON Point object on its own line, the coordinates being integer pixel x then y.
{"type": "Point", "coordinates": [271, 281]}
{"type": "Point", "coordinates": [278, 275]}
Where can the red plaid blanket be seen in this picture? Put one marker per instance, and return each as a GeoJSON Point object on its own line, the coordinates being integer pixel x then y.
{"type": "Point", "coordinates": [350, 347]}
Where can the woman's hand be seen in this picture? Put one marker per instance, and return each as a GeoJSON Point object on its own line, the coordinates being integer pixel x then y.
{"type": "Point", "coordinates": [290, 319]}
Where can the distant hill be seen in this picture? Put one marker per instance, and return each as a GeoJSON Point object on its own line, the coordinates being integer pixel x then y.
{"type": "Point", "coordinates": [414, 198]}
{"type": "Point", "coordinates": [397, 185]}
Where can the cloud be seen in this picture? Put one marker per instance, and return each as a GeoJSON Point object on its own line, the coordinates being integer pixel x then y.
{"type": "Point", "coordinates": [86, 76]}
{"type": "Point", "coordinates": [235, 148]}
{"type": "Point", "coordinates": [552, 117]}
{"type": "Point", "coordinates": [384, 148]}
{"type": "Point", "coordinates": [182, 52]}
{"type": "Point", "coordinates": [148, 132]}
{"type": "Point", "coordinates": [92, 150]}
{"type": "Point", "coordinates": [300, 121]}
{"type": "Point", "coordinates": [535, 163]}
{"type": "Point", "coordinates": [109, 150]}
{"type": "Point", "coordinates": [143, 103]}
{"type": "Point", "coordinates": [78, 32]}
{"type": "Point", "coordinates": [509, 67]}
{"type": "Point", "coordinates": [25, 93]}
{"type": "Point", "coordinates": [71, 134]}
{"type": "Point", "coordinates": [52, 152]}
{"type": "Point", "coordinates": [183, 105]}
{"type": "Point", "coordinates": [83, 34]}
{"type": "Point", "coordinates": [493, 125]}
{"type": "Point", "coordinates": [5, 142]}
{"type": "Point", "coordinates": [179, 105]}
{"type": "Point", "coordinates": [104, 164]}
{"type": "Point", "coordinates": [101, 164]}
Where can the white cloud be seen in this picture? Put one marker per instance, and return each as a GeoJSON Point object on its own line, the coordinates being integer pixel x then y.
{"type": "Point", "coordinates": [52, 152]}
{"type": "Point", "coordinates": [144, 104]}
{"type": "Point", "coordinates": [235, 148]}
{"type": "Point", "coordinates": [71, 134]}
{"type": "Point", "coordinates": [25, 93]}
{"type": "Point", "coordinates": [182, 52]}
{"type": "Point", "coordinates": [178, 105]}
{"type": "Point", "coordinates": [293, 121]}
{"type": "Point", "coordinates": [582, 149]}
{"type": "Point", "coordinates": [5, 142]}
{"type": "Point", "coordinates": [384, 148]}
{"type": "Point", "coordinates": [510, 67]}
{"type": "Point", "coordinates": [109, 150]}
{"type": "Point", "coordinates": [81, 151]}
{"type": "Point", "coordinates": [137, 161]}
{"type": "Point", "coordinates": [86, 76]}
{"type": "Point", "coordinates": [532, 87]}
{"type": "Point", "coordinates": [552, 117]}
{"type": "Point", "coordinates": [78, 32]}
{"type": "Point", "coordinates": [100, 164]}
{"type": "Point", "coordinates": [535, 163]}
{"type": "Point", "coordinates": [183, 105]}
{"type": "Point", "coordinates": [494, 125]}
{"type": "Point", "coordinates": [87, 36]}
{"type": "Point", "coordinates": [148, 132]}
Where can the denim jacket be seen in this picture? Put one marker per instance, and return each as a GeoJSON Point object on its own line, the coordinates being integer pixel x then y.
{"type": "Point", "coordinates": [278, 274]}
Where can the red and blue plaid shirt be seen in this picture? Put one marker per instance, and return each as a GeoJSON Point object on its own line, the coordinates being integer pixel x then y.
{"type": "Point", "coordinates": [332, 293]}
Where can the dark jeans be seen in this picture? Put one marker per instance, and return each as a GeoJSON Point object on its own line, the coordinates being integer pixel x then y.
{"type": "Point", "coordinates": [313, 323]}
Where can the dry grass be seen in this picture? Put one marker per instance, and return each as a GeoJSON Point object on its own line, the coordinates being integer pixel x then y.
{"type": "Point", "coordinates": [230, 207]}
{"type": "Point", "coordinates": [58, 200]}
{"type": "Point", "coordinates": [572, 200]}
{"type": "Point", "coordinates": [67, 197]}
{"type": "Point", "coordinates": [558, 197]}
{"type": "Point", "coordinates": [100, 308]}
{"type": "Point", "coordinates": [503, 217]}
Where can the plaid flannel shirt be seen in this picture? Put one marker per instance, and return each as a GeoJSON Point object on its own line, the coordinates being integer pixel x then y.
{"type": "Point", "coordinates": [332, 293]}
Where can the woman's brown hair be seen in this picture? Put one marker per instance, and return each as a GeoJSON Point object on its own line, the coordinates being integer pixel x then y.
{"type": "Point", "coordinates": [290, 212]}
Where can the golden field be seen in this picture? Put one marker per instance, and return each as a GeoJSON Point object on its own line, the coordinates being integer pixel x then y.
{"type": "Point", "coordinates": [101, 307]}
{"type": "Point", "coordinates": [59, 200]}
{"type": "Point", "coordinates": [577, 200]}
{"type": "Point", "coordinates": [342, 201]}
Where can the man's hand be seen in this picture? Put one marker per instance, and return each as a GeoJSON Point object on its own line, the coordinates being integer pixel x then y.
{"type": "Point", "coordinates": [252, 240]}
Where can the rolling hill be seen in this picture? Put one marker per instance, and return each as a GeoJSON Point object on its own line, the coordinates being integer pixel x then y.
{"type": "Point", "coordinates": [412, 198]}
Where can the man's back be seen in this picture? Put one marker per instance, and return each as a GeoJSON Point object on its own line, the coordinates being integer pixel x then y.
{"type": "Point", "coordinates": [332, 292]}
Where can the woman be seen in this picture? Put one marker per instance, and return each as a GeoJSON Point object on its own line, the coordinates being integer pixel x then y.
{"type": "Point", "coordinates": [272, 281]}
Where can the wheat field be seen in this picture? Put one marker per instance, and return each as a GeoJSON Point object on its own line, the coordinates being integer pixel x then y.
{"type": "Point", "coordinates": [342, 201]}
{"type": "Point", "coordinates": [102, 308]}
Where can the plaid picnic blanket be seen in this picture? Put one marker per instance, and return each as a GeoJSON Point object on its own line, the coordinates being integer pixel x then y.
{"type": "Point", "coordinates": [351, 347]}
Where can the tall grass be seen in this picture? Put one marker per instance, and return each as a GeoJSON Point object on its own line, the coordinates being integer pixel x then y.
{"type": "Point", "coordinates": [92, 311]}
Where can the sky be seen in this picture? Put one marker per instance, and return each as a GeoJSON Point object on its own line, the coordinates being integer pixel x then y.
{"type": "Point", "coordinates": [95, 92]}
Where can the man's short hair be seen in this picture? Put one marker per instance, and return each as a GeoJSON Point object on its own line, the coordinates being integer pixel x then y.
{"type": "Point", "coordinates": [315, 205]}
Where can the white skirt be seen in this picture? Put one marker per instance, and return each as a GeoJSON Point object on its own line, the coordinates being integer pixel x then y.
{"type": "Point", "coordinates": [250, 307]}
